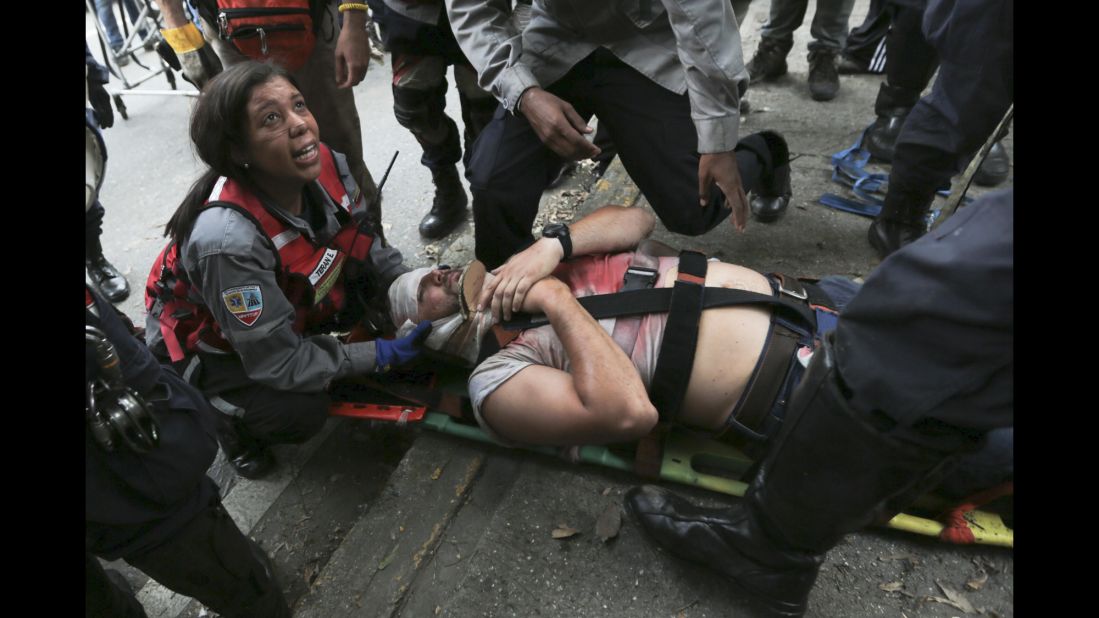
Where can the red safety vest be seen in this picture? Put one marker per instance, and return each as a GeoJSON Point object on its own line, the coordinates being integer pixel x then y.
{"type": "Point", "coordinates": [309, 275]}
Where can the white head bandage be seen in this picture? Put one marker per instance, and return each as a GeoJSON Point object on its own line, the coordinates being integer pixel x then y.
{"type": "Point", "coordinates": [403, 304]}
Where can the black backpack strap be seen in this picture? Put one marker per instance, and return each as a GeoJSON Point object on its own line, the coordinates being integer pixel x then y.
{"type": "Point", "coordinates": [677, 352]}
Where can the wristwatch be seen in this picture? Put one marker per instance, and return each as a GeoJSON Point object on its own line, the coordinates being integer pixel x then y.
{"type": "Point", "coordinates": [560, 231]}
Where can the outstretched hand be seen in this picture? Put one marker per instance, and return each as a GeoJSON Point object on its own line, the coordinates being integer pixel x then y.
{"type": "Point", "coordinates": [721, 168]}
{"type": "Point", "coordinates": [557, 124]}
{"type": "Point", "coordinates": [396, 352]}
{"type": "Point", "coordinates": [517, 276]}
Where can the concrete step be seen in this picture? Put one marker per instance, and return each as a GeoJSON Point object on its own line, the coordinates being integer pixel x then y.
{"type": "Point", "coordinates": [302, 513]}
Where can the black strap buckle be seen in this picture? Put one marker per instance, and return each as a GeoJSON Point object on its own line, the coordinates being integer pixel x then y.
{"type": "Point", "coordinates": [790, 287]}
{"type": "Point", "coordinates": [639, 278]}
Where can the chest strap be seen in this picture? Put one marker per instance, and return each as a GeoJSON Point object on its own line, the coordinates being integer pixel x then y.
{"type": "Point", "coordinates": [658, 300]}
{"type": "Point", "coordinates": [677, 352]}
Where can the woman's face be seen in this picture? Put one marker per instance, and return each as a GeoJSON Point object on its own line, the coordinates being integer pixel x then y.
{"type": "Point", "coordinates": [283, 139]}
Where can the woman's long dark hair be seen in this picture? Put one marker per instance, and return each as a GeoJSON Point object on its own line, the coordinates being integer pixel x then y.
{"type": "Point", "coordinates": [218, 125]}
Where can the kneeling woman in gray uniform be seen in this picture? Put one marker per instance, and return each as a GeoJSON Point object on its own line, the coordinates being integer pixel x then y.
{"type": "Point", "coordinates": [270, 252]}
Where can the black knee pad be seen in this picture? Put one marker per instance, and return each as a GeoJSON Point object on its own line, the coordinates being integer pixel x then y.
{"type": "Point", "coordinates": [418, 110]}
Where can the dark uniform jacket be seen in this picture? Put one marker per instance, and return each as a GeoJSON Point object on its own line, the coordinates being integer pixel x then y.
{"type": "Point", "coordinates": [134, 502]}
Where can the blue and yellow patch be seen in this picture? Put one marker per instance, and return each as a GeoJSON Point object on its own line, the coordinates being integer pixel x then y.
{"type": "Point", "coordinates": [244, 302]}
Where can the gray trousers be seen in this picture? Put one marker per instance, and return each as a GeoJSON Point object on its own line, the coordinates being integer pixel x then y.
{"type": "Point", "coordinates": [829, 28]}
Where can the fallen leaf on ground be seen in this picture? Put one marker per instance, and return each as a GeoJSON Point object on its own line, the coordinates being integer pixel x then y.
{"type": "Point", "coordinates": [954, 598]}
{"type": "Point", "coordinates": [609, 522]}
{"type": "Point", "coordinates": [607, 491]}
{"type": "Point", "coordinates": [436, 474]}
{"type": "Point", "coordinates": [388, 559]}
{"type": "Point", "coordinates": [977, 582]}
{"type": "Point", "coordinates": [563, 532]}
{"type": "Point", "coordinates": [310, 573]}
{"type": "Point", "coordinates": [935, 599]}
{"type": "Point", "coordinates": [891, 586]}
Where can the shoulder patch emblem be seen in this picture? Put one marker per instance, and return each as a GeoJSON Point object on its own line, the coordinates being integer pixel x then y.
{"type": "Point", "coordinates": [244, 302]}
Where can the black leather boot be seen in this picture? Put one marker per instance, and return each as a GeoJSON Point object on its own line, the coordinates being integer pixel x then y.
{"type": "Point", "coordinates": [105, 276]}
{"type": "Point", "coordinates": [829, 472]}
{"type": "Point", "coordinates": [771, 197]}
{"type": "Point", "coordinates": [247, 458]}
{"type": "Point", "coordinates": [824, 79]}
{"type": "Point", "coordinates": [769, 61]}
{"type": "Point", "coordinates": [449, 208]}
{"type": "Point", "coordinates": [995, 168]}
{"type": "Point", "coordinates": [903, 219]}
{"type": "Point", "coordinates": [881, 140]}
{"type": "Point", "coordinates": [892, 106]}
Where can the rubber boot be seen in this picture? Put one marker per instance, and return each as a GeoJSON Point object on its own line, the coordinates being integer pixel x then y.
{"type": "Point", "coordinates": [903, 219]}
{"type": "Point", "coordinates": [771, 197]}
{"type": "Point", "coordinates": [995, 168]}
{"type": "Point", "coordinates": [449, 208]}
{"type": "Point", "coordinates": [829, 472]}
{"type": "Point", "coordinates": [104, 275]}
{"type": "Point", "coordinates": [247, 458]}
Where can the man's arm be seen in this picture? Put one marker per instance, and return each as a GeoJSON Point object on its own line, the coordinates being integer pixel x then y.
{"type": "Point", "coordinates": [609, 229]}
{"type": "Point", "coordinates": [601, 400]}
{"type": "Point", "coordinates": [493, 46]}
{"type": "Point", "coordinates": [352, 49]}
{"type": "Point", "coordinates": [493, 43]}
{"type": "Point", "coordinates": [710, 52]}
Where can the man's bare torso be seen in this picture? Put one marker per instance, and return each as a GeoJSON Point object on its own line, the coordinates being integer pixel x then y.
{"type": "Point", "coordinates": [730, 340]}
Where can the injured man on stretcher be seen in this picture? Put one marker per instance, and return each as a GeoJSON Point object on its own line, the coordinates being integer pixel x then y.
{"type": "Point", "coordinates": [579, 380]}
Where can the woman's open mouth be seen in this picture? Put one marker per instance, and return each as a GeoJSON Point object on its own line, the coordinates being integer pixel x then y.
{"type": "Point", "coordinates": [306, 154]}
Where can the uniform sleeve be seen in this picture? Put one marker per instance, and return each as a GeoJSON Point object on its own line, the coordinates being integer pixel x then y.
{"type": "Point", "coordinates": [931, 332]}
{"type": "Point", "coordinates": [482, 29]}
{"type": "Point", "coordinates": [708, 43]}
{"type": "Point", "coordinates": [242, 269]}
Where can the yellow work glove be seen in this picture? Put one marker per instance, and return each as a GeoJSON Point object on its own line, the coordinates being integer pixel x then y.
{"type": "Point", "coordinates": [188, 52]}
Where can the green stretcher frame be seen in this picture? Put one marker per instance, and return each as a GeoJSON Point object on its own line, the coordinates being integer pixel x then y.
{"type": "Point", "coordinates": [697, 461]}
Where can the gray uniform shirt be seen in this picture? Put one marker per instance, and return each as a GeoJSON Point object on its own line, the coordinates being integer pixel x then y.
{"type": "Point", "coordinates": [226, 251]}
{"type": "Point", "coordinates": [688, 46]}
